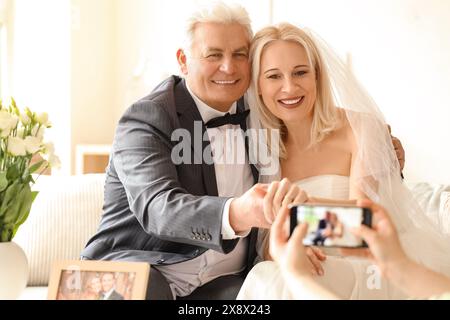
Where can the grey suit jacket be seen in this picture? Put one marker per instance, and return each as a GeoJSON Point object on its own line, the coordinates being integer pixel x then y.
{"type": "Point", "coordinates": [155, 211]}
{"type": "Point", "coordinates": [113, 296]}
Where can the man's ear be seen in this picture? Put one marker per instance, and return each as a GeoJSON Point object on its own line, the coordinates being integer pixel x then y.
{"type": "Point", "coordinates": [181, 58]}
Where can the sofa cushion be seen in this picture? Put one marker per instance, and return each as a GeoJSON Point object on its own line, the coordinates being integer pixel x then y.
{"type": "Point", "coordinates": [64, 215]}
{"type": "Point", "coordinates": [34, 293]}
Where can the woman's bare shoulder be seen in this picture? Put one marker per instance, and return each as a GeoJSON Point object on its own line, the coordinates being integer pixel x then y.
{"type": "Point", "coordinates": [344, 128]}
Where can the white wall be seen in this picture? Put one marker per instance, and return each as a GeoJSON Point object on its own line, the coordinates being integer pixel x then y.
{"type": "Point", "coordinates": [148, 36]}
{"type": "Point", "coordinates": [41, 66]}
{"type": "Point", "coordinates": [93, 73]}
{"type": "Point", "coordinates": [401, 53]}
{"type": "Point", "coordinates": [5, 36]}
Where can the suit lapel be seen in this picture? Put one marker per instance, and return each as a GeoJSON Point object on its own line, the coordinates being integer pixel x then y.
{"type": "Point", "coordinates": [255, 173]}
{"type": "Point", "coordinates": [191, 120]}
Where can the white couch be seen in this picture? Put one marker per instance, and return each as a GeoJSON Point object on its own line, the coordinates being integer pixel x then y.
{"type": "Point", "coordinates": [64, 215]}
{"type": "Point", "coordinates": [67, 211]}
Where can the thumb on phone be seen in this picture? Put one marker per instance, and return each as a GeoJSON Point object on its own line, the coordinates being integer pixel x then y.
{"type": "Point", "coordinates": [364, 232]}
{"type": "Point", "coordinates": [299, 233]}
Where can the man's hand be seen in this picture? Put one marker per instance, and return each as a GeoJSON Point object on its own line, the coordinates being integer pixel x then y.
{"type": "Point", "coordinates": [259, 206]}
{"type": "Point", "coordinates": [247, 210]}
{"type": "Point", "coordinates": [399, 151]}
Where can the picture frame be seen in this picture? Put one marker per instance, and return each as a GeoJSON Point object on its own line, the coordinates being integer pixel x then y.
{"type": "Point", "coordinates": [98, 280]}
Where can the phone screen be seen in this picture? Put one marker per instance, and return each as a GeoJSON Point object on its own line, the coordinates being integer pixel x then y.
{"type": "Point", "coordinates": [329, 226]}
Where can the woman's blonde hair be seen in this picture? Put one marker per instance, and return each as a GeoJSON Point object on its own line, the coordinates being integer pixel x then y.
{"type": "Point", "coordinates": [325, 111]}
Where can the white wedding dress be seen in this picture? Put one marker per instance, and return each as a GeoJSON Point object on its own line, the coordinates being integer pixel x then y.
{"type": "Point", "coordinates": [347, 277]}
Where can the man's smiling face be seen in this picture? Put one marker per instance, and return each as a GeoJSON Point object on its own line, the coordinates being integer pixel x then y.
{"type": "Point", "coordinates": [218, 70]}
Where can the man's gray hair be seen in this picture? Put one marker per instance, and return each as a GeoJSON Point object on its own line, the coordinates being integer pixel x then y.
{"type": "Point", "coordinates": [217, 12]}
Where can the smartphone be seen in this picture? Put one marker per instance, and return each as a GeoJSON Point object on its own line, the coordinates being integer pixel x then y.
{"type": "Point", "coordinates": [329, 226]}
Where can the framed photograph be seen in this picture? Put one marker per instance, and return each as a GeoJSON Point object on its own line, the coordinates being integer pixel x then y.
{"type": "Point", "coordinates": [98, 280]}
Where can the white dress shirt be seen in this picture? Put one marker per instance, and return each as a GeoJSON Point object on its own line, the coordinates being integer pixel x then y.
{"type": "Point", "coordinates": [233, 177]}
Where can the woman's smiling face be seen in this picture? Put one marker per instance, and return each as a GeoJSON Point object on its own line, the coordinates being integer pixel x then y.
{"type": "Point", "coordinates": [287, 81]}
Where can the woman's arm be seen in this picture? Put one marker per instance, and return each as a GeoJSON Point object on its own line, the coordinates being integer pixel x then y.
{"type": "Point", "coordinates": [418, 281]}
{"type": "Point", "coordinates": [387, 252]}
{"type": "Point", "coordinates": [306, 288]}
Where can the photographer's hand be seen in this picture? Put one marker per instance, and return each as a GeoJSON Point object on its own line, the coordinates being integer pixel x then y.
{"type": "Point", "coordinates": [384, 245]}
{"type": "Point", "coordinates": [294, 260]}
{"type": "Point", "coordinates": [385, 249]}
{"type": "Point", "coordinates": [305, 260]}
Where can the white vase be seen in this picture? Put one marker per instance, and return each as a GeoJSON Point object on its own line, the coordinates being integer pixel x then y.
{"type": "Point", "coordinates": [13, 271]}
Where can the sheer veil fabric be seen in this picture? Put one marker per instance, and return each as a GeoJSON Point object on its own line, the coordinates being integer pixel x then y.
{"type": "Point", "coordinates": [377, 172]}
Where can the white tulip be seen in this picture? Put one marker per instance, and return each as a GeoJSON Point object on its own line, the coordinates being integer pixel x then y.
{"type": "Point", "coordinates": [42, 118]}
{"type": "Point", "coordinates": [5, 120]}
{"type": "Point", "coordinates": [34, 130]}
{"type": "Point", "coordinates": [32, 144]}
{"type": "Point", "coordinates": [38, 132]}
{"type": "Point", "coordinates": [49, 148]}
{"type": "Point", "coordinates": [7, 123]}
{"type": "Point", "coordinates": [54, 161]}
{"type": "Point", "coordinates": [5, 132]}
{"type": "Point", "coordinates": [16, 146]}
{"type": "Point", "coordinates": [20, 132]}
{"type": "Point", "coordinates": [25, 119]}
{"type": "Point", "coordinates": [14, 121]}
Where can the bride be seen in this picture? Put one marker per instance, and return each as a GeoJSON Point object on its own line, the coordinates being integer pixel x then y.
{"type": "Point", "coordinates": [335, 144]}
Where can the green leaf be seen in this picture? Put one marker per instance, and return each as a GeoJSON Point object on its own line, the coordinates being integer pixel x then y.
{"type": "Point", "coordinates": [5, 234]}
{"type": "Point", "coordinates": [25, 208]}
{"type": "Point", "coordinates": [3, 181]}
{"type": "Point", "coordinates": [15, 109]}
{"type": "Point", "coordinates": [13, 211]}
{"type": "Point", "coordinates": [10, 194]}
{"type": "Point", "coordinates": [13, 172]}
{"type": "Point", "coordinates": [13, 102]}
{"type": "Point", "coordinates": [29, 113]}
{"type": "Point", "coordinates": [35, 166]}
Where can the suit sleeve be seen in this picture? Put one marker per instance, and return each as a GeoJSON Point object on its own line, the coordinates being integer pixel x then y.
{"type": "Point", "coordinates": [142, 158]}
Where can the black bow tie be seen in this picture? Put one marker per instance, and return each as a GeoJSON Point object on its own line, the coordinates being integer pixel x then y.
{"type": "Point", "coordinates": [237, 118]}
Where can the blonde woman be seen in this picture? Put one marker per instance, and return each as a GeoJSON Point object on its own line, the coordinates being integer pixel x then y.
{"type": "Point", "coordinates": [334, 144]}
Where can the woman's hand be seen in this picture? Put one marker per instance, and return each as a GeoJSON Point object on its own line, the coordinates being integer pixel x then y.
{"type": "Point", "coordinates": [384, 245]}
{"type": "Point", "coordinates": [291, 255]}
{"type": "Point", "coordinates": [281, 194]}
